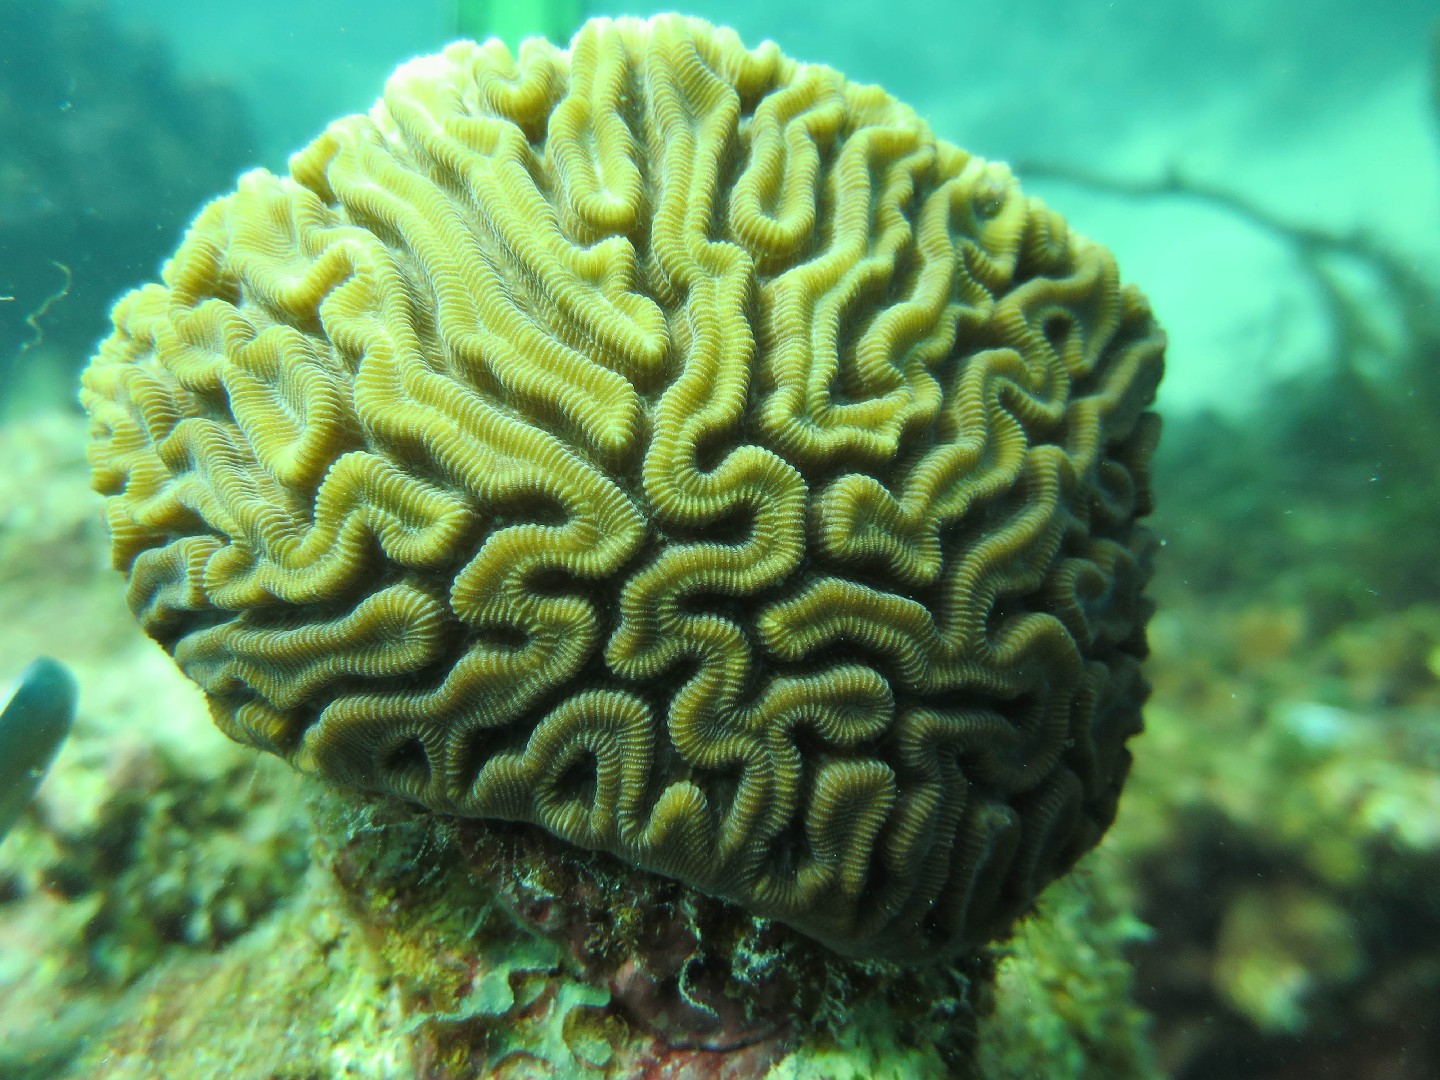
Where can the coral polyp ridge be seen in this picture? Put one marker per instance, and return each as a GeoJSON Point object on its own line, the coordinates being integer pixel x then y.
{"type": "Point", "coordinates": [671, 445]}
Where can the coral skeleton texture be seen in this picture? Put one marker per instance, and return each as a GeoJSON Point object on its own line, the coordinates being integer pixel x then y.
{"type": "Point", "coordinates": [669, 444]}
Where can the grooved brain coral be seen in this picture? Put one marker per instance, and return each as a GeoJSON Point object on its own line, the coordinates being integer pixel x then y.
{"type": "Point", "coordinates": [672, 445]}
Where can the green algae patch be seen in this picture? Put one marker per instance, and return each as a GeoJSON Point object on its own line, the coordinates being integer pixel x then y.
{"type": "Point", "coordinates": [1063, 998]}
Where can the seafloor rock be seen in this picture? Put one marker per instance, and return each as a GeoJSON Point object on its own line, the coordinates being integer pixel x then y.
{"type": "Point", "coordinates": [455, 949]}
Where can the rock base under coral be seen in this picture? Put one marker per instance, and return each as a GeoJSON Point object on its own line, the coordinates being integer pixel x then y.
{"type": "Point", "coordinates": [418, 946]}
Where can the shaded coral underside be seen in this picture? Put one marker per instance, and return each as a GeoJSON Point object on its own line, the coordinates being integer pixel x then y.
{"type": "Point", "coordinates": [669, 444]}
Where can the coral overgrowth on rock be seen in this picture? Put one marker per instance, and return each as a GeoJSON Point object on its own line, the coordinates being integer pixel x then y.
{"type": "Point", "coordinates": [671, 445]}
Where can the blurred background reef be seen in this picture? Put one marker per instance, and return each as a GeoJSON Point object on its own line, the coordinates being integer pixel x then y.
{"type": "Point", "coordinates": [1265, 906]}
{"type": "Point", "coordinates": [108, 152]}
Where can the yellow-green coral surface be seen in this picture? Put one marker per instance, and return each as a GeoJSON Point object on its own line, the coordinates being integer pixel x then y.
{"type": "Point", "coordinates": [672, 445]}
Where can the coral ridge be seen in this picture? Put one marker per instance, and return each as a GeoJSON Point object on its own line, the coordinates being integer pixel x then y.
{"type": "Point", "coordinates": [669, 444]}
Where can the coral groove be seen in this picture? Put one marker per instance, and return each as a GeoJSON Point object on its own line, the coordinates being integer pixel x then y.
{"type": "Point", "coordinates": [671, 445]}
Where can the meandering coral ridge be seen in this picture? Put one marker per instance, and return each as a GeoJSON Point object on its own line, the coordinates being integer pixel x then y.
{"type": "Point", "coordinates": [672, 445]}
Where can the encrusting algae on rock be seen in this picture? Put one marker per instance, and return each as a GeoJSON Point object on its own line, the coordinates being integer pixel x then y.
{"type": "Point", "coordinates": [676, 447]}
{"type": "Point", "coordinates": [418, 946]}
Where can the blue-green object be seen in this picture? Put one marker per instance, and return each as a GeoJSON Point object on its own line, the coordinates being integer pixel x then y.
{"type": "Point", "coordinates": [33, 724]}
{"type": "Point", "coordinates": [514, 20]}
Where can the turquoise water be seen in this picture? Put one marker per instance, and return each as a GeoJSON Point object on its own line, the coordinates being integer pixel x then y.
{"type": "Point", "coordinates": [1266, 171]}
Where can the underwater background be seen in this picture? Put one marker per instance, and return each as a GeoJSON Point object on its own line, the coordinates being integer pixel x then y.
{"type": "Point", "coordinates": [1267, 904]}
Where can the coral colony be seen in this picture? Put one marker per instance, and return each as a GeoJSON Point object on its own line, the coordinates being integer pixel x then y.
{"type": "Point", "coordinates": [741, 481]}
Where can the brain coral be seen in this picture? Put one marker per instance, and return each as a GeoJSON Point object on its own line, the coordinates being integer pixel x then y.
{"type": "Point", "coordinates": [672, 445]}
